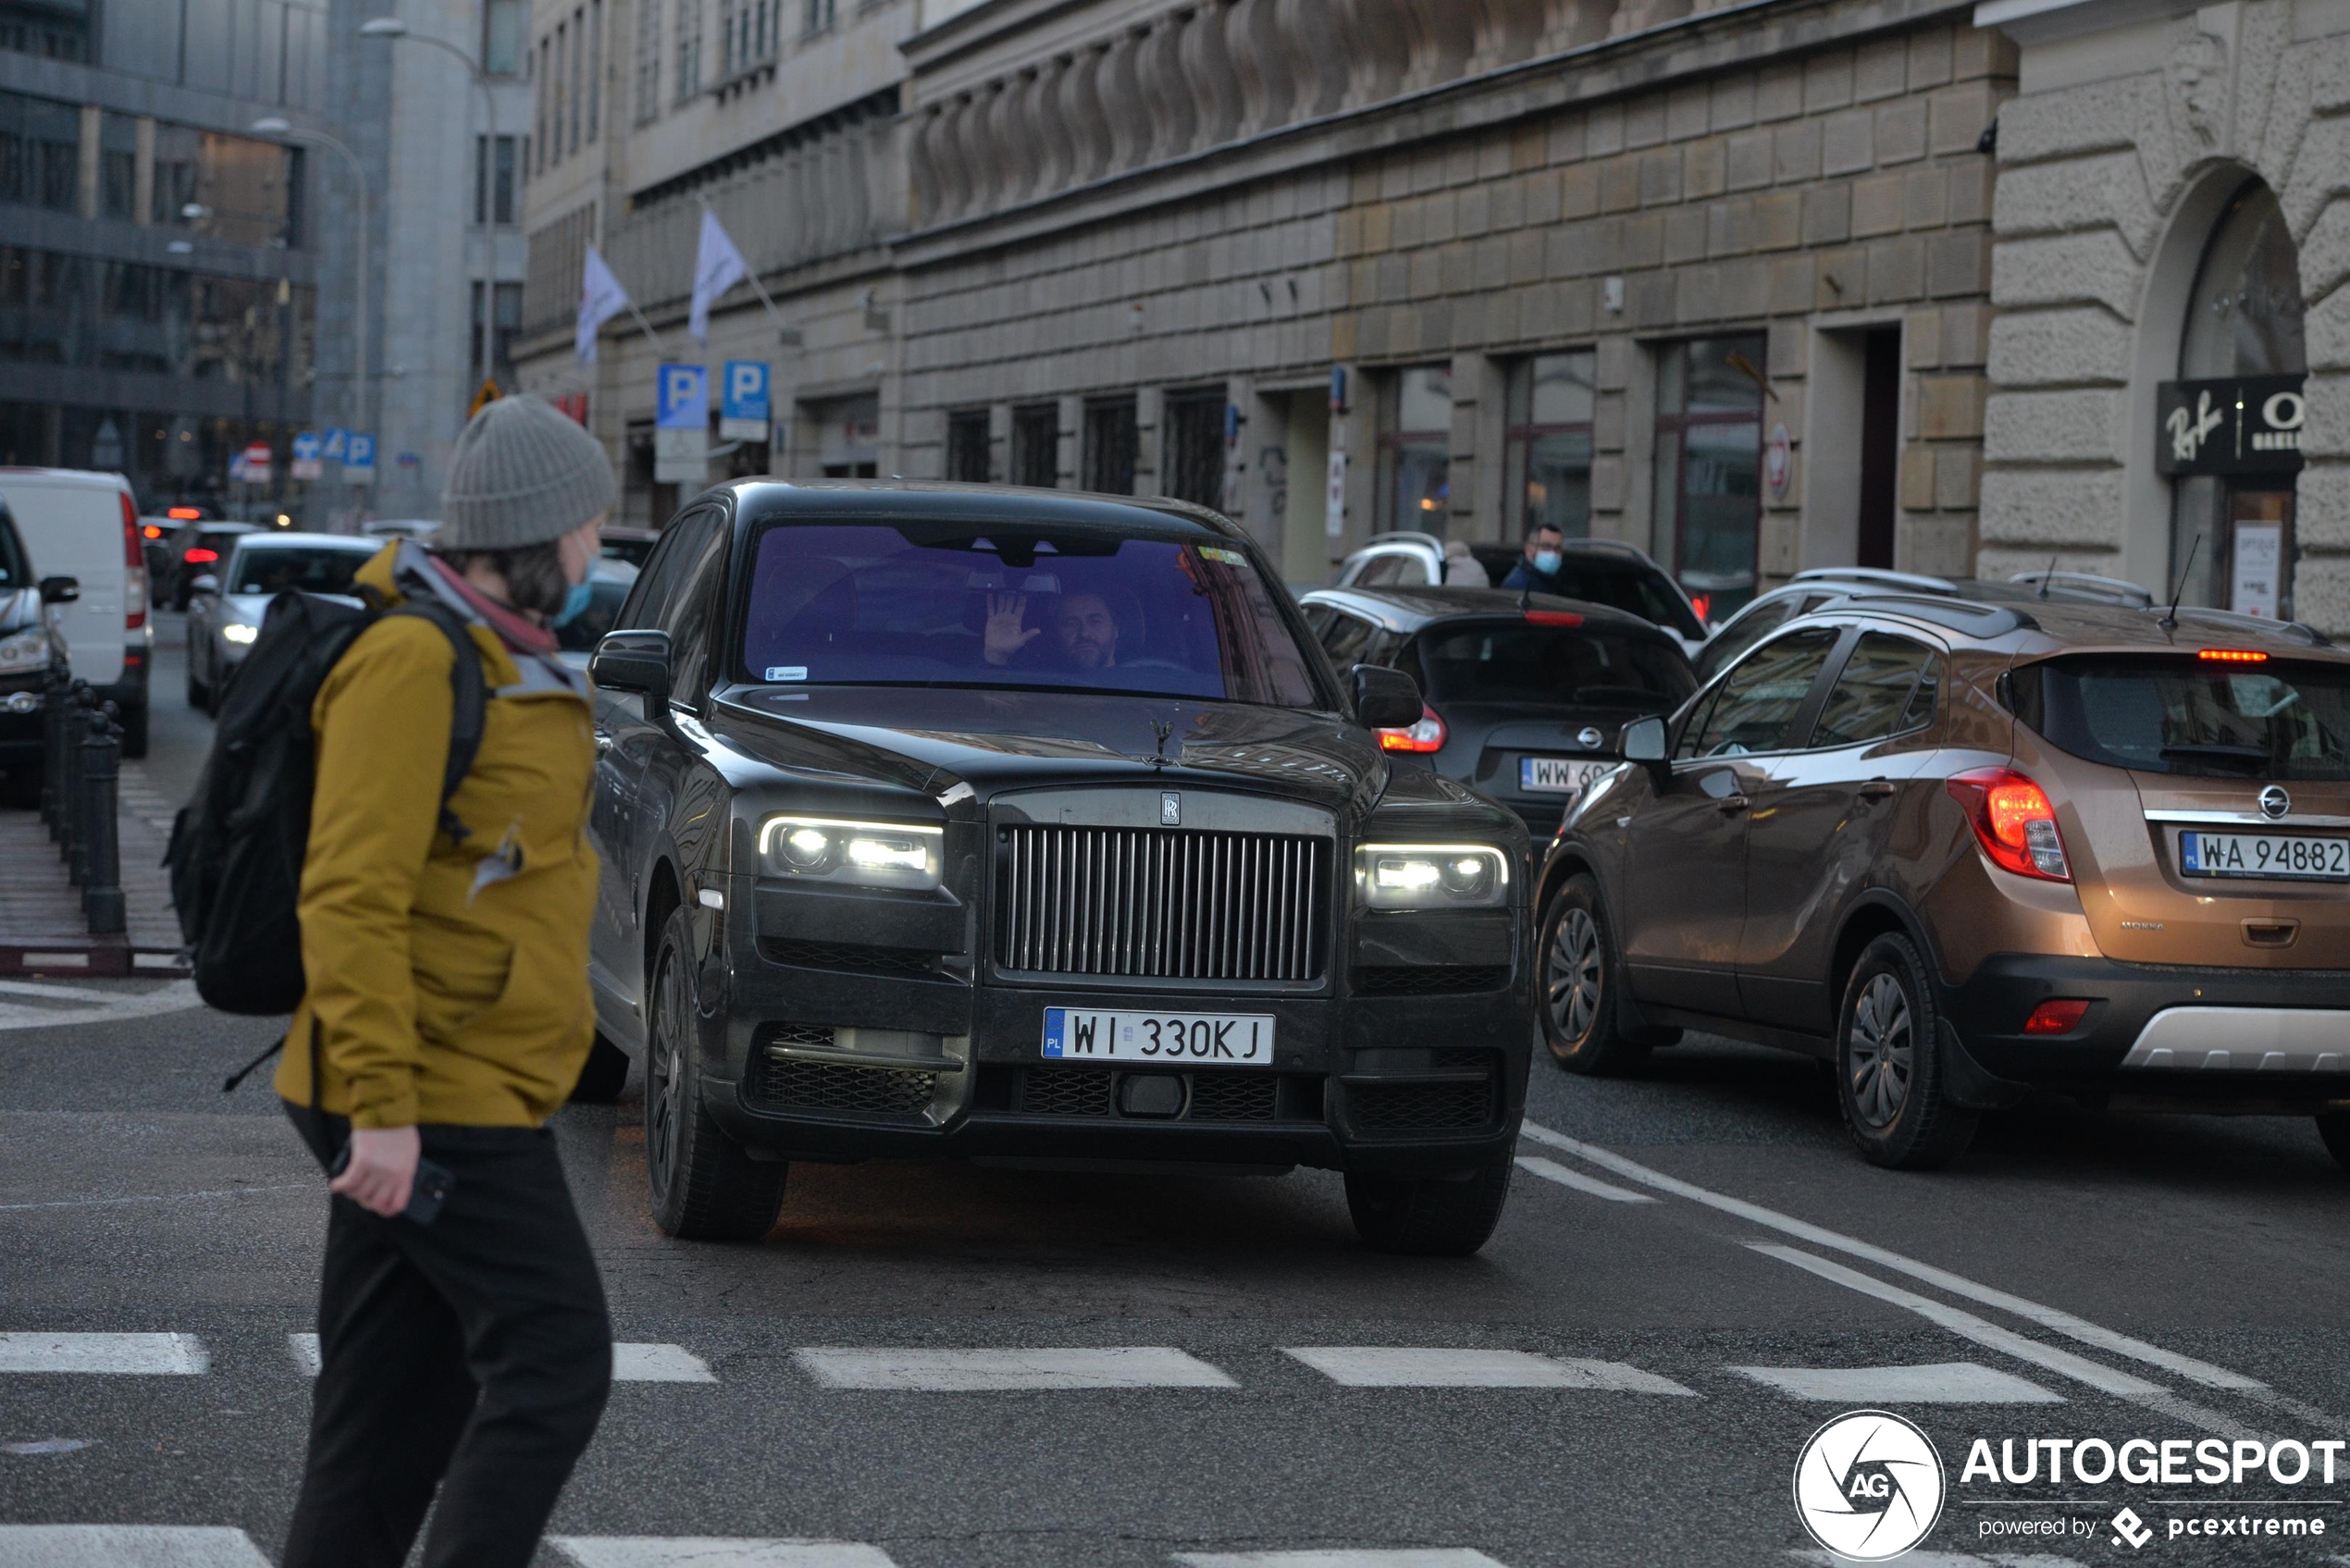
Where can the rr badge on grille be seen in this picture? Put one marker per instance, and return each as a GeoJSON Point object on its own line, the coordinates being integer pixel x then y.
{"type": "Point", "coordinates": [1170, 809]}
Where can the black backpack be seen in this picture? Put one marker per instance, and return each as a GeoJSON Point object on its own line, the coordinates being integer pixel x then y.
{"type": "Point", "coordinates": [237, 847]}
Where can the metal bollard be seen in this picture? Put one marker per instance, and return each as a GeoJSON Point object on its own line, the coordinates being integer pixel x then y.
{"type": "Point", "coordinates": [52, 753]}
{"type": "Point", "coordinates": [102, 899]}
{"type": "Point", "coordinates": [76, 723]}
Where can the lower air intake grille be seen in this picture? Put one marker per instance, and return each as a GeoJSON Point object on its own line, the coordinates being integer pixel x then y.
{"type": "Point", "coordinates": [819, 1035]}
{"type": "Point", "coordinates": [1234, 1096]}
{"type": "Point", "coordinates": [1421, 1107]}
{"type": "Point", "coordinates": [1401, 980]}
{"type": "Point", "coordinates": [842, 1090]}
{"type": "Point", "coordinates": [1067, 1091]}
{"type": "Point", "coordinates": [854, 959]}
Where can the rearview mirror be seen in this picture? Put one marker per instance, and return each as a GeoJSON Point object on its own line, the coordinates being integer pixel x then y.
{"type": "Point", "coordinates": [1385, 698]}
{"type": "Point", "coordinates": [207, 584]}
{"type": "Point", "coordinates": [1642, 740]}
{"type": "Point", "coordinates": [60, 590]}
{"type": "Point", "coordinates": [634, 661]}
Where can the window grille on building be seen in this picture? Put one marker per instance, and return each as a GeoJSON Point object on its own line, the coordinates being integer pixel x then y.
{"type": "Point", "coordinates": [966, 445]}
{"type": "Point", "coordinates": [1036, 443]}
{"type": "Point", "coordinates": [1194, 470]}
{"type": "Point", "coordinates": [1111, 446]}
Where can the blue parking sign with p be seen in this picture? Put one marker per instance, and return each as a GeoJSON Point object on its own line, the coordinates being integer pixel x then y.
{"type": "Point", "coordinates": [358, 451]}
{"type": "Point", "coordinates": [744, 395]}
{"type": "Point", "coordinates": [682, 401]}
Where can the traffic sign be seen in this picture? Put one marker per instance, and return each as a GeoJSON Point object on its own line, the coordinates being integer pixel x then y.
{"type": "Point", "coordinates": [256, 462]}
{"type": "Point", "coordinates": [743, 402]}
{"type": "Point", "coordinates": [682, 398]}
{"type": "Point", "coordinates": [334, 445]}
{"type": "Point", "coordinates": [358, 458]}
{"type": "Point", "coordinates": [306, 464]}
{"type": "Point", "coordinates": [487, 395]}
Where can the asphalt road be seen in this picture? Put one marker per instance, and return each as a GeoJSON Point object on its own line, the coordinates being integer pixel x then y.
{"type": "Point", "coordinates": [1694, 1274]}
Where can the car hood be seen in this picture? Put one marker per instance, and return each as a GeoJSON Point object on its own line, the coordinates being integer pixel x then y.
{"type": "Point", "coordinates": [930, 740]}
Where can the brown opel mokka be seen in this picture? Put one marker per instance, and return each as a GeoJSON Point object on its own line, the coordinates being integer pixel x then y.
{"type": "Point", "coordinates": [1964, 851]}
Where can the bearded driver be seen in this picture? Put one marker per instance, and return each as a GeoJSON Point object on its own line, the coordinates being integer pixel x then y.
{"type": "Point", "coordinates": [1085, 632]}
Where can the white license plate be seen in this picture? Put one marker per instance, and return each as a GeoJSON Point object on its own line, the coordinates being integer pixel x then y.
{"type": "Point", "coordinates": [2263, 854]}
{"type": "Point", "coordinates": [1207, 1040]}
{"type": "Point", "coordinates": [1557, 775]}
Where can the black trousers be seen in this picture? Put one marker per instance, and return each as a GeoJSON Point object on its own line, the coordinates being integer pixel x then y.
{"type": "Point", "coordinates": [471, 1355]}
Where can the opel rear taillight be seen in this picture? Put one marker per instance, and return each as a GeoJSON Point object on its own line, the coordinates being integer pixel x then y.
{"type": "Point", "coordinates": [1425, 736]}
{"type": "Point", "coordinates": [199, 556]}
{"type": "Point", "coordinates": [2013, 820]}
{"type": "Point", "coordinates": [134, 559]}
{"type": "Point", "coordinates": [2060, 1016]}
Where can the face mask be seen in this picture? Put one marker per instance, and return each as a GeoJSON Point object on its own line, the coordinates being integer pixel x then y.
{"type": "Point", "coordinates": [575, 600]}
{"type": "Point", "coordinates": [1547, 561]}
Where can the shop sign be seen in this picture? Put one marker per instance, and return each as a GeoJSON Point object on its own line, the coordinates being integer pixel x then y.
{"type": "Point", "coordinates": [1778, 460]}
{"type": "Point", "coordinates": [2244, 424]}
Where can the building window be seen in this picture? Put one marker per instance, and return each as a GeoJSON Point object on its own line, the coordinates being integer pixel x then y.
{"type": "Point", "coordinates": [506, 309]}
{"type": "Point", "coordinates": [966, 445]}
{"type": "Point", "coordinates": [1708, 468]}
{"type": "Point", "coordinates": [595, 66]}
{"type": "Point", "coordinates": [501, 36]}
{"type": "Point", "coordinates": [117, 166]}
{"type": "Point", "coordinates": [544, 86]}
{"type": "Point", "coordinates": [1112, 445]}
{"type": "Point", "coordinates": [498, 184]}
{"type": "Point", "coordinates": [1548, 476]}
{"type": "Point", "coordinates": [1036, 446]}
{"type": "Point", "coordinates": [816, 15]}
{"type": "Point", "coordinates": [558, 92]}
{"type": "Point", "coordinates": [647, 60]}
{"type": "Point", "coordinates": [40, 152]}
{"type": "Point", "coordinates": [231, 188]}
{"type": "Point", "coordinates": [578, 76]}
{"type": "Point", "coordinates": [689, 48]}
{"type": "Point", "coordinates": [1194, 470]}
{"type": "Point", "coordinates": [1416, 448]}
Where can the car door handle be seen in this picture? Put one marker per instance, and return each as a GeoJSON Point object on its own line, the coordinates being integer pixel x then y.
{"type": "Point", "coordinates": [1878, 789]}
{"type": "Point", "coordinates": [1731, 805]}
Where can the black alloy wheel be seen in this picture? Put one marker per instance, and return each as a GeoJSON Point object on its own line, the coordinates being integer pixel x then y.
{"type": "Point", "coordinates": [1580, 987]}
{"type": "Point", "coordinates": [1889, 1071]}
{"type": "Point", "coordinates": [704, 1187]}
{"type": "Point", "coordinates": [1448, 1217]}
{"type": "Point", "coordinates": [602, 1076]}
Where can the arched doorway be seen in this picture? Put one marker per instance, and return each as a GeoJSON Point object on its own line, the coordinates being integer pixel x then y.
{"type": "Point", "coordinates": [2230, 428]}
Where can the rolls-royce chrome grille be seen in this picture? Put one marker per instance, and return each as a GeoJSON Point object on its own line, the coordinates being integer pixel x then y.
{"type": "Point", "coordinates": [1161, 905]}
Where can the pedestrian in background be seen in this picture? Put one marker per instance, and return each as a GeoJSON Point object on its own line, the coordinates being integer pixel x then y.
{"type": "Point", "coordinates": [1463, 570]}
{"type": "Point", "coordinates": [447, 1016]}
{"type": "Point", "coordinates": [1538, 568]}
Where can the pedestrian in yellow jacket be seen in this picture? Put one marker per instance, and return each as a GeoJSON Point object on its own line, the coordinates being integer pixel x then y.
{"type": "Point", "coordinates": [464, 1352]}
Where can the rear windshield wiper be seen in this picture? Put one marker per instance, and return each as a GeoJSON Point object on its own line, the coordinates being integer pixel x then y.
{"type": "Point", "coordinates": [2254, 757]}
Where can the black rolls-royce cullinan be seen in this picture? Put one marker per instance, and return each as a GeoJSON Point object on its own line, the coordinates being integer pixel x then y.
{"type": "Point", "coordinates": [967, 822]}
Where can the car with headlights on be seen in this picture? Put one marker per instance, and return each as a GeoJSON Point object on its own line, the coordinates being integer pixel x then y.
{"type": "Point", "coordinates": [225, 610]}
{"type": "Point", "coordinates": [953, 821]}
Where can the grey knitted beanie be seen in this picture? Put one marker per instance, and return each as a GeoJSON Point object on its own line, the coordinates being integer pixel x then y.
{"type": "Point", "coordinates": [524, 473]}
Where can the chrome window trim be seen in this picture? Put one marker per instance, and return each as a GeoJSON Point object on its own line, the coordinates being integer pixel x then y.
{"type": "Point", "coordinates": [2248, 819]}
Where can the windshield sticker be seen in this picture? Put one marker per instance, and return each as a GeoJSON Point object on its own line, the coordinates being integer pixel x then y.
{"type": "Point", "coordinates": [786, 672]}
{"type": "Point", "coordinates": [1223, 557]}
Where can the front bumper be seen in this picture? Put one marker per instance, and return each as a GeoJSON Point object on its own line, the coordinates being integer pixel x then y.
{"type": "Point", "coordinates": [2214, 1038]}
{"type": "Point", "coordinates": [21, 719]}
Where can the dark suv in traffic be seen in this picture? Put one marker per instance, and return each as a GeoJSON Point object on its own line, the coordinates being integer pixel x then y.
{"type": "Point", "coordinates": [1965, 850]}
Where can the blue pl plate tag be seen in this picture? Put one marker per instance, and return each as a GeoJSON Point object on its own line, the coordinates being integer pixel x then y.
{"type": "Point", "coordinates": [2191, 851]}
{"type": "Point", "coordinates": [1056, 1030]}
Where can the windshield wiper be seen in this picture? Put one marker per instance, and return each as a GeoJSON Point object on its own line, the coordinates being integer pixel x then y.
{"type": "Point", "coordinates": [2255, 757]}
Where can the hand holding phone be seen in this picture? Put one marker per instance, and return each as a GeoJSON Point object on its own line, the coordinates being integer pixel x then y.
{"type": "Point", "coordinates": [383, 1171]}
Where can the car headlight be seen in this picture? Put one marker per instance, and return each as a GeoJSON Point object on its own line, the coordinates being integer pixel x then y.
{"type": "Point", "coordinates": [238, 633]}
{"type": "Point", "coordinates": [28, 649]}
{"type": "Point", "coordinates": [860, 854]}
{"type": "Point", "coordinates": [1431, 876]}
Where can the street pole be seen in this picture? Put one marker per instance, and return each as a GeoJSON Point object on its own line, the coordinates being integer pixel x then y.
{"type": "Point", "coordinates": [277, 126]}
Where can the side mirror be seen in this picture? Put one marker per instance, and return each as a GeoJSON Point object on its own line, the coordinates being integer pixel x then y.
{"type": "Point", "coordinates": [207, 584]}
{"type": "Point", "coordinates": [60, 590]}
{"type": "Point", "coordinates": [1385, 700]}
{"type": "Point", "coordinates": [634, 661]}
{"type": "Point", "coordinates": [1642, 741]}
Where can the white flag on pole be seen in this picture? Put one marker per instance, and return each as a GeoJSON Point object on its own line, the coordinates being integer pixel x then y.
{"type": "Point", "coordinates": [601, 299]}
{"type": "Point", "coordinates": [718, 267]}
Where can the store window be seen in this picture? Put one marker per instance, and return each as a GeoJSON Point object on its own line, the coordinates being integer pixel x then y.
{"type": "Point", "coordinates": [1416, 448]}
{"type": "Point", "coordinates": [1548, 478]}
{"type": "Point", "coordinates": [966, 445]}
{"type": "Point", "coordinates": [1708, 468]}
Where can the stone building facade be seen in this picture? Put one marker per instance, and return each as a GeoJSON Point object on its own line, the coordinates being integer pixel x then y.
{"type": "Point", "coordinates": [2171, 359]}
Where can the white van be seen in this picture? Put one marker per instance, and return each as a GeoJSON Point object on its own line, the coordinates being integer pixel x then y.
{"type": "Point", "coordinates": [85, 526]}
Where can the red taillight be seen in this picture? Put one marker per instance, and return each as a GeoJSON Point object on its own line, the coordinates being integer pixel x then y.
{"type": "Point", "coordinates": [1426, 735]}
{"type": "Point", "coordinates": [1553, 617]}
{"type": "Point", "coordinates": [2232, 656]}
{"type": "Point", "coordinates": [1703, 605]}
{"type": "Point", "coordinates": [2013, 822]}
{"type": "Point", "coordinates": [182, 513]}
{"type": "Point", "coordinates": [199, 556]}
{"type": "Point", "coordinates": [152, 530]}
{"type": "Point", "coordinates": [2059, 1017]}
{"type": "Point", "coordinates": [134, 558]}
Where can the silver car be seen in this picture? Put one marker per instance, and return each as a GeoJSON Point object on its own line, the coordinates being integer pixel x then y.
{"type": "Point", "coordinates": [1604, 571]}
{"type": "Point", "coordinates": [225, 608]}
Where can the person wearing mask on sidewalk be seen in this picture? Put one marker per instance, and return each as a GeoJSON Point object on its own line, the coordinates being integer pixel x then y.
{"type": "Point", "coordinates": [1544, 555]}
{"type": "Point", "coordinates": [447, 1016]}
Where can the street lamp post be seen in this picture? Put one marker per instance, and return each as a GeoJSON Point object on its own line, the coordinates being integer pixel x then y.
{"type": "Point", "coordinates": [394, 30]}
{"type": "Point", "coordinates": [280, 127]}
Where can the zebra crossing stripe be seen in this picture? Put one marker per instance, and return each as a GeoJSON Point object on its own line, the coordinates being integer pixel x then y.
{"type": "Point", "coordinates": [630, 1363]}
{"type": "Point", "coordinates": [1404, 1557]}
{"type": "Point", "coordinates": [178, 1355]}
{"type": "Point", "coordinates": [985, 1371]}
{"type": "Point", "coordinates": [1951, 1382]}
{"type": "Point", "coordinates": [716, 1551]}
{"type": "Point", "coordinates": [1379, 1367]}
{"type": "Point", "coordinates": [125, 1546]}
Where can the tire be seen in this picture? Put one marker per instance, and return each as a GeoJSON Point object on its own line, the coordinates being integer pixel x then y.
{"type": "Point", "coordinates": [1430, 1216]}
{"type": "Point", "coordinates": [1581, 980]}
{"type": "Point", "coordinates": [704, 1187]}
{"type": "Point", "coordinates": [134, 720]}
{"type": "Point", "coordinates": [602, 1076]}
{"type": "Point", "coordinates": [2334, 1128]}
{"type": "Point", "coordinates": [199, 694]}
{"type": "Point", "coordinates": [1888, 1081]}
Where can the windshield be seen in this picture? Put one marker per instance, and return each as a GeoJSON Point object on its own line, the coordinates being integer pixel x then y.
{"type": "Point", "coordinates": [13, 573]}
{"type": "Point", "coordinates": [965, 604]}
{"type": "Point", "coordinates": [311, 571]}
{"type": "Point", "coordinates": [2175, 715]}
{"type": "Point", "coordinates": [1517, 662]}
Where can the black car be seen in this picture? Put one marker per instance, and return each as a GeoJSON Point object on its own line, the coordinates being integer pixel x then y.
{"type": "Point", "coordinates": [1524, 694]}
{"type": "Point", "coordinates": [197, 550]}
{"type": "Point", "coordinates": [958, 821]}
{"type": "Point", "coordinates": [30, 649]}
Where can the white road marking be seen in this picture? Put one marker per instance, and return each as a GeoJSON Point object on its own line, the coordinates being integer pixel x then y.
{"type": "Point", "coordinates": [159, 1197]}
{"type": "Point", "coordinates": [181, 1355]}
{"type": "Point", "coordinates": [969, 1371]}
{"type": "Point", "coordinates": [1950, 1382]}
{"type": "Point", "coordinates": [125, 1546]}
{"type": "Point", "coordinates": [2064, 1363]}
{"type": "Point", "coordinates": [1379, 1367]}
{"type": "Point", "coordinates": [631, 1363]}
{"type": "Point", "coordinates": [1551, 1171]}
{"type": "Point", "coordinates": [2049, 1317]}
{"type": "Point", "coordinates": [176, 997]}
{"type": "Point", "coordinates": [1341, 1556]}
{"type": "Point", "coordinates": [55, 993]}
{"type": "Point", "coordinates": [716, 1551]}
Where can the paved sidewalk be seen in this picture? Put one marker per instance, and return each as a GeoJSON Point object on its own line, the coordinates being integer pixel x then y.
{"type": "Point", "coordinates": [43, 929]}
